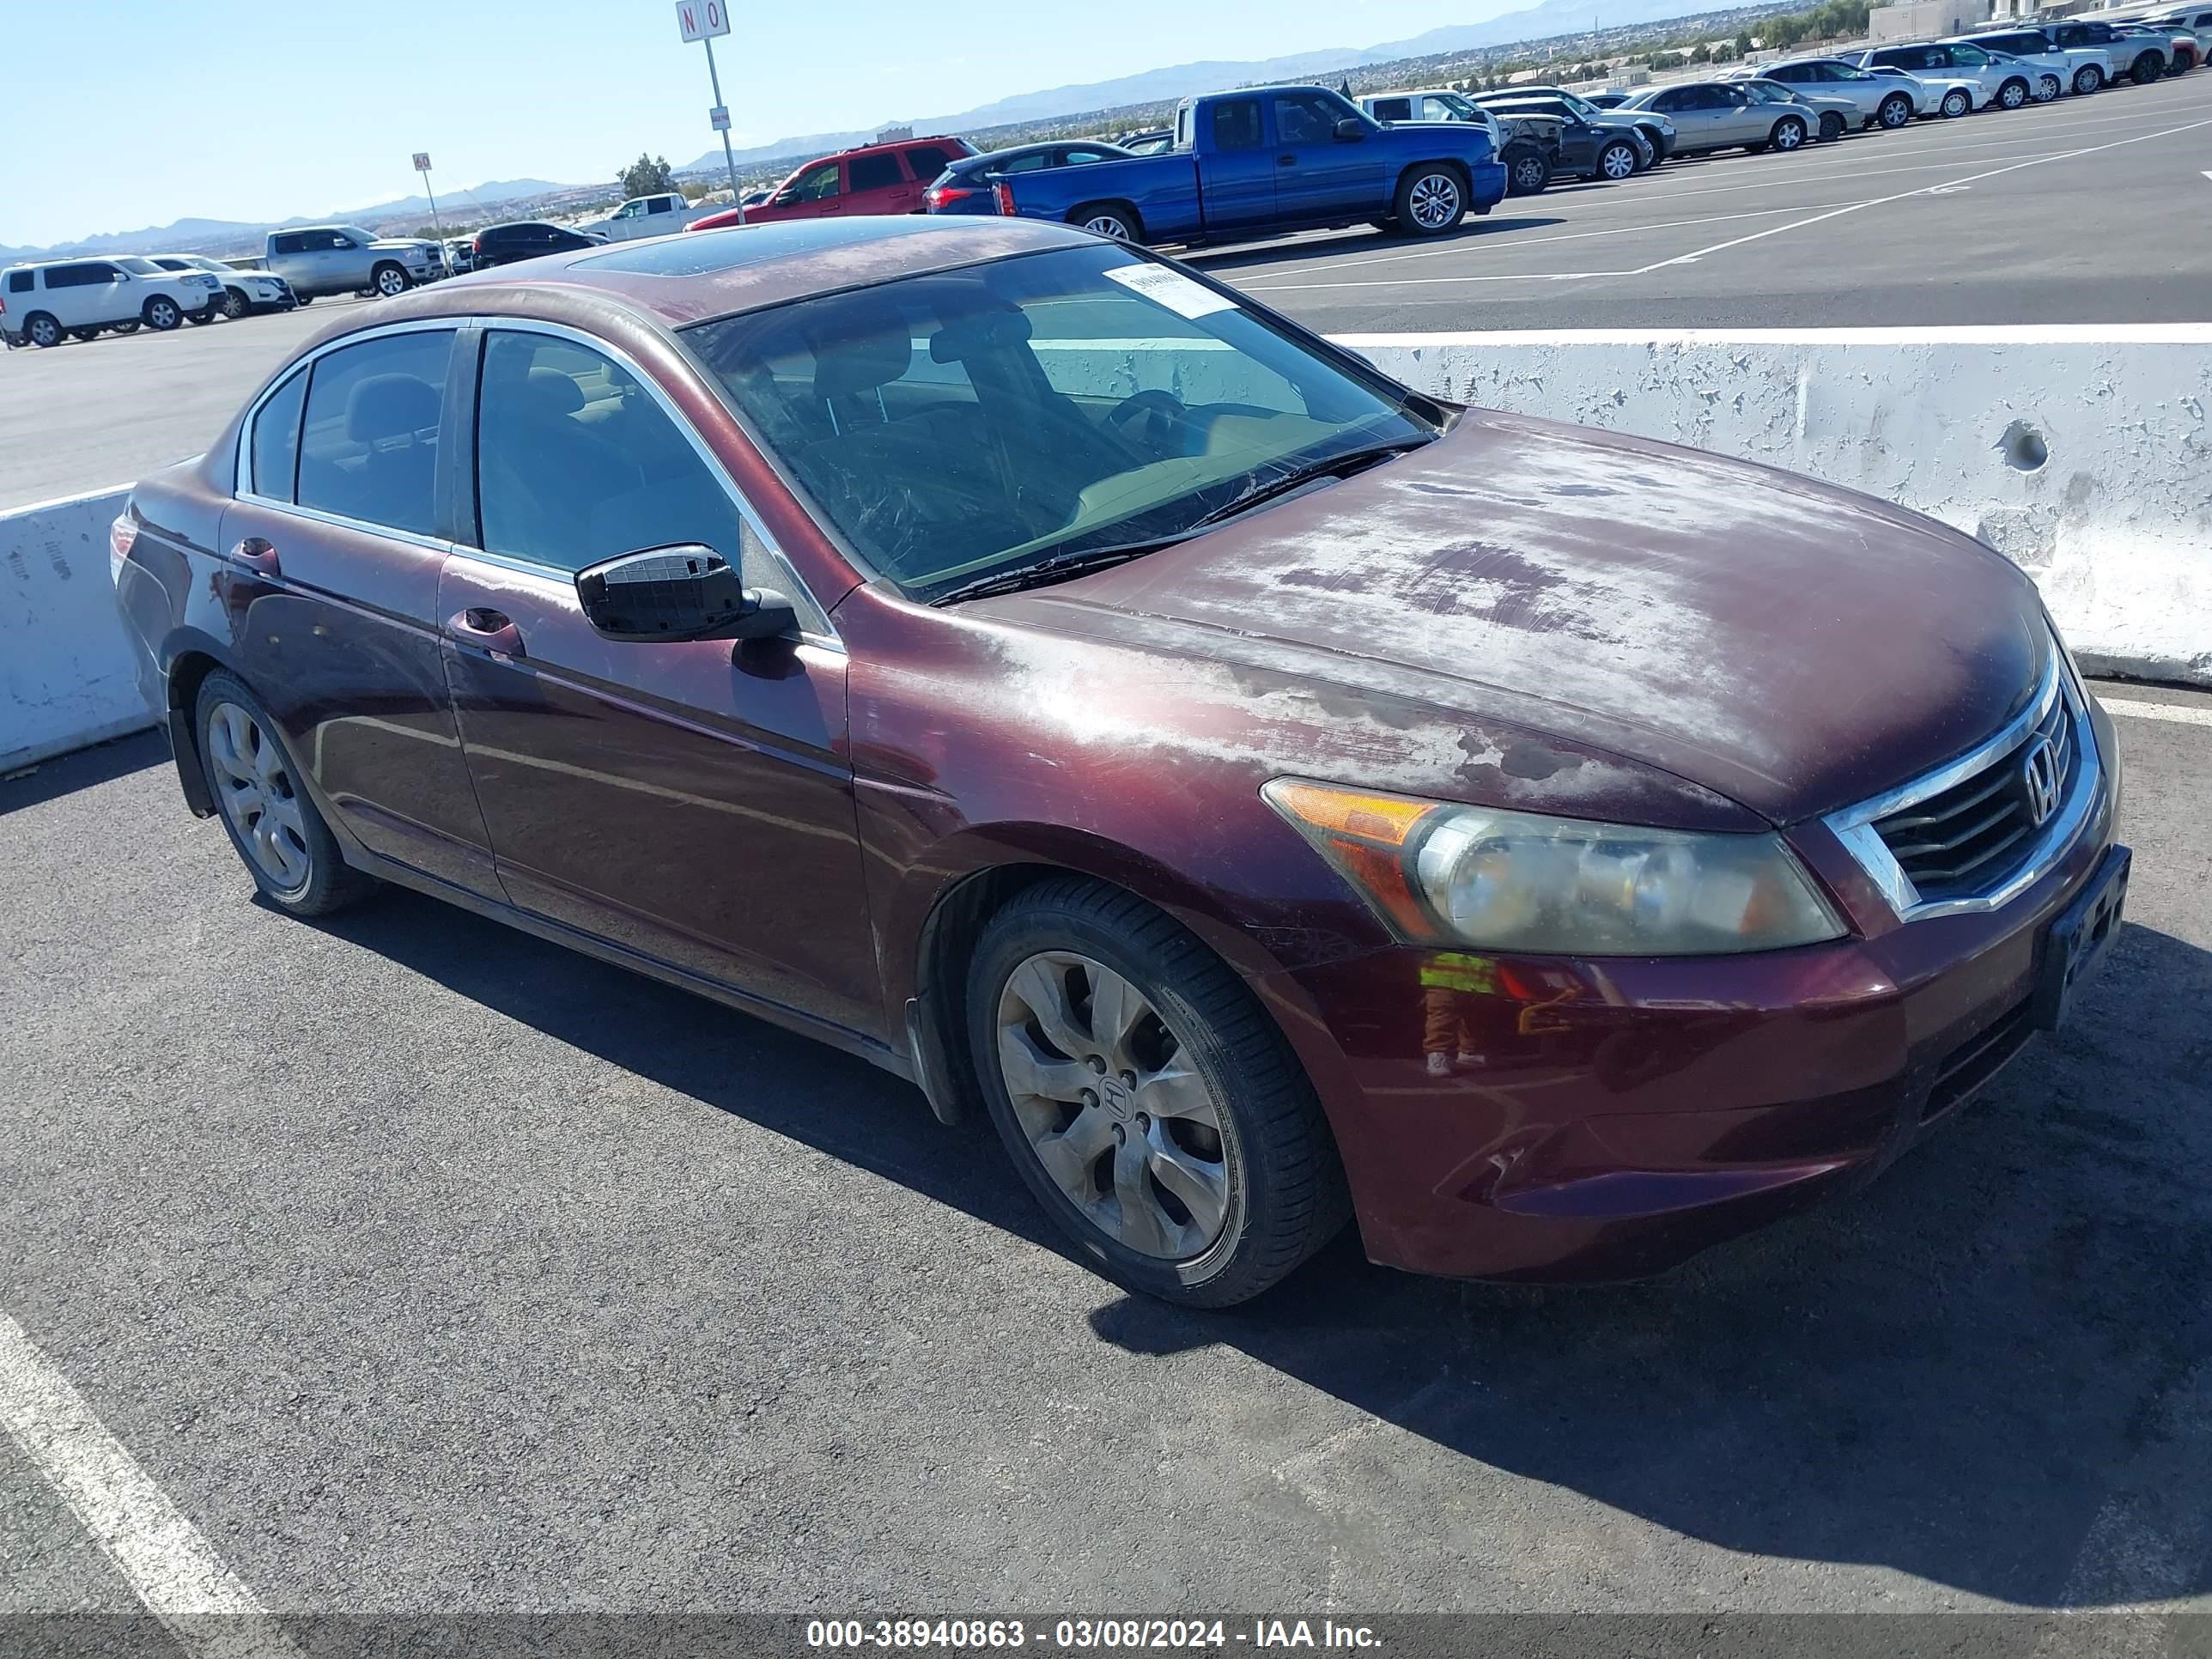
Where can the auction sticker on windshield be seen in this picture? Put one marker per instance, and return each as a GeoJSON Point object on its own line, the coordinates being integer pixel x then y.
{"type": "Point", "coordinates": [1172, 289]}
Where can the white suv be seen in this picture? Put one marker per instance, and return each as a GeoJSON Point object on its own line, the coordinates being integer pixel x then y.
{"type": "Point", "coordinates": [47, 302]}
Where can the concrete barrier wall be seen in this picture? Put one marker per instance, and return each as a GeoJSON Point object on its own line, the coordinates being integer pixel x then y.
{"type": "Point", "coordinates": [65, 674]}
{"type": "Point", "coordinates": [2082, 454]}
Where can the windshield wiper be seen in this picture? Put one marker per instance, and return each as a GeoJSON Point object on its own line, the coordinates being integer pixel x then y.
{"type": "Point", "coordinates": [1336, 466]}
{"type": "Point", "coordinates": [1060, 567]}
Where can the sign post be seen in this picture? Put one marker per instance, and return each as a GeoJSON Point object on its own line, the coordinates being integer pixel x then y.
{"type": "Point", "coordinates": [422, 167]}
{"type": "Point", "coordinates": [701, 21]}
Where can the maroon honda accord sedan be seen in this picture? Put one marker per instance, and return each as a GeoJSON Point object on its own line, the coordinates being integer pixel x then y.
{"type": "Point", "coordinates": [1275, 795]}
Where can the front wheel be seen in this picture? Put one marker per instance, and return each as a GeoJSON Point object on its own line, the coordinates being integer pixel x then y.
{"type": "Point", "coordinates": [1145, 1098]}
{"type": "Point", "coordinates": [1617, 162]}
{"type": "Point", "coordinates": [234, 304]}
{"type": "Point", "coordinates": [2048, 88]}
{"type": "Point", "coordinates": [2089, 79]}
{"type": "Point", "coordinates": [1789, 134]}
{"type": "Point", "coordinates": [1527, 170]}
{"type": "Point", "coordinates": [1896, 111]}
{"type": "Point", "coordinates": [162, 314]}
{"type": "Point", "coordinates": [1831, 126]}
{"type": "Point", "coordinates": [281, 839]}
{"type": "Point", "coordinates": [2012, 94]}
{"type": "Point", "coordinates": [2148, 68]}
{"type": "Point", "coordinates": [391, 281]}
{"type": "Point", "coordinates": [1956, 103]}
{"type": "Point", "coordinates": [1431, 201]}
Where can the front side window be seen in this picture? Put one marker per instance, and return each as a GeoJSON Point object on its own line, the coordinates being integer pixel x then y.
{"type": "Point", "coordinates": [1303, 118]}
{"type": "Point", "coordinates": [144, 267]}
{"type": "Point", "coordinates": [577, 462]}
{"type": "Point", "coordinates": [816, 183]}
{"type": "Point", "coordinates": [876, 171]}
{"type": "Point", "coordinates": [273, 456]}
{"type": "Point", "coordinates": [1236, 124]}
{"type": "Point", "coordinates": [369, 447]}
{"type": "Point", "coordinates": [964, 424]}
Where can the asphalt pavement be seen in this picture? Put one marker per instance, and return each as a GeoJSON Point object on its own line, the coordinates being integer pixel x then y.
{"type": "Point", "coordinates": [2088, 210]}
{"type": "Point", "coordinates": [422, 1266]}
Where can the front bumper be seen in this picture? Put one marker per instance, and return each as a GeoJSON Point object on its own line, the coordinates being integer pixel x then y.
{"type": "Point", "coordinates": [1624, 1114]}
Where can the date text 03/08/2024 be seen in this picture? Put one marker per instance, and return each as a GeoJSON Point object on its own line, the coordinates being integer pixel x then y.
{"type": "Point", "coordinates": [1107, 1634]}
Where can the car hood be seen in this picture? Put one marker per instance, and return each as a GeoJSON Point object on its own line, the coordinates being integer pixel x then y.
{"type": "Point", "coordinates": [1793, 646]}
{"type": "Point", "coordinates": [405, 241]}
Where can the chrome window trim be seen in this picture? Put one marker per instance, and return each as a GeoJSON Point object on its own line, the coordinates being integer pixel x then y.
{"type": "Point", "coordinates": [1854, 825]}
{"type": "Point", "coordinates": [242, 458]}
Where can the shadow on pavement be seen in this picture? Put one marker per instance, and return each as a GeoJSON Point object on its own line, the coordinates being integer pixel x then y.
{"type": "Point", "coordinates": [47, 781]}
{"type": "Point", "coordinates": [1216, 260]}
{"type": "Point", "coordinates": [1988, 1371]}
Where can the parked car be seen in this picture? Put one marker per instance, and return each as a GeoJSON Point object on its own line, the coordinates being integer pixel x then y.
{"type": "Point", "coordinates": [527, 239]}
{"type": "Point", "coordinates": [872, 179]}
{"type": "Point", "coordinates": [1656, 130]}
{"type": "Point", "coordinates": [1610, 152]}
{"type": "Point", "coordinates": [2093, 66]}
{"type": "Point", "coordinates": [1176, 782]}
{"type": "Point", "coordinates": [1710, 115]}
{"type": "Point", "coordinates": [1835, 116]}
{"type": "Point", "coordinates": [965, 186]}
{"type": "Point", "coordinates": [1428, 104]}
{"type": "Point", "coordinates": [2178, 46]}
{"type": "Point", "coordinates": [2139, 59]}
{"type": "Point", "coordinates": [2195, 18]}
{"type": "Point", "coordinates": [660, 214]}
{"type": "Point", "coordinates": [319, 259]}
{"type": "Point", "coordinates": [2050, 72]}
{"type": "Point", "coordinates": [244, 291]}
{"type": "Point", "coordinates": [1877, 100]}
{"type": "Point", "coordinates": [1607, 100]}
{"type": "Point", "coordinates": [460, 253]}
{"type": "Point", "coordinates": [45, 302]}
{"type": "Point", "coordinates": [1940, 96]}
{"type": "Point", "coordinates": [1994, 85]}
{"type": "Point", "coordinates": [1528, 144]}
{"type": "Point", "coordinates": [1264, 160]}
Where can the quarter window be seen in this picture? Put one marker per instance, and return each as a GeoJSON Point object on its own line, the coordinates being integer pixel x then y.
{"type": "Point", "coordinates": [1236, 124]}
{"type": "Point", "coordinates": [577, 462]}
{"type": "Point", "coordinates": [274, 452]}
{"type": "Point", "coordinates": [368, 448]}
{"type": "Point", "coordinates": [18, 281]}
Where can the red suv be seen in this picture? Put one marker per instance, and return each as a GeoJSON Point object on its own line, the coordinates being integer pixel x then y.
{"type": "Point", "coordinates": [873, 179]}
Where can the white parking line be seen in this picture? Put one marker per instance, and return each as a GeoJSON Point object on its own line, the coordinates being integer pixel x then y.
{"type": "Point", "coordinates": [2177, 713]}
{"type": "Point", "coordinates": [174, 1570]}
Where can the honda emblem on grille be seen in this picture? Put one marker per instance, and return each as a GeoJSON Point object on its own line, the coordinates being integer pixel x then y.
{"type": "Point", "coordinates": [2038, 776]}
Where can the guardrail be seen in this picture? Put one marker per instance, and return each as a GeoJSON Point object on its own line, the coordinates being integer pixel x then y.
{"type": "Point", "coordinates": [2082, 454]}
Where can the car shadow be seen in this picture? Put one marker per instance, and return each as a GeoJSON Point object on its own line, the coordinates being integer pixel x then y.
{"type": "Point", "coordinates": [48, 779]}
{"type": "Point", "coordinates": [1216, 260]}
{"type": "Point", "coordinates": [1988, 1371]}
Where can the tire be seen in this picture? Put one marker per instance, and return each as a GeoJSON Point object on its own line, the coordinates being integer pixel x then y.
{"type": "Point", "coordinates": [1617, 162]}
{"type": "Point", "coordinates": [1831, 126]}
{"type": "Point", "coordinates": [87, 335]}
{"type": "Point", "coordinates": [129, 325]}
{"type": "Point", "coordinates": [2148, 68]}
{"type": "Point", "coordinates": [1896, 111]}
{"type": "Point", "coordinates": [206, 315]}
{"type": "Point", "coordinates": [389, 281]}
{"type": "Point", "coordinates": [43, 330]}
{"type": "Point", "coordinates": [1432, 200]}
{"type": "Point", "coordinates": [2048, 89]}
{"type": "Point", "coordinates": [1265, 1188]}
{"type": "Point", "coordinates": [1789, 134]}
{"type": "Point", "coordinates": [1528, 170]}
{"type": "Point", "coordinates": [1957, 102]}
{"type": "Point", "coordinates": [1658, 150]}
{"type": "Point", "coordinates": [278, 834]}
{"type": "Point", "coordinates": [234, 304]}
{"type": "Point", "coordinates": [2013, 95]}
{"type": "Point", "coordinates": [1112, 220]}
{"type": "Point", "coordinates": [162, 314]}
{"type": "Point", "coordinates": [2089, 79]}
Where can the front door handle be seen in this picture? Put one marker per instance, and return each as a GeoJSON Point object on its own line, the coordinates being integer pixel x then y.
{"type": "Point", "coordinates": [490, 631]}
{"type": "Point", "coordinates": [1286, 160]}
{"type": "Point", "coordinates": [256, 553]}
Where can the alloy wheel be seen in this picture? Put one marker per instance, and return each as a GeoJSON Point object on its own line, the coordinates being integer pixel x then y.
{"type": "Point", "coordinates": [163, 314]}
{"type": "Point", "coordinates": [1126, 1130]}
{"type": "Point", "coordinates": [1895, 113]}
{"type": "Point", "coordinates": [1619, 162]}
{"type": "Point", "coordinates": [1788, 135]}
{"type": "Point", "coordinates": [2013, 95]}
{"type": "Point", "coordinates": [234, 304]}
{"type": "Point", "coordinates": [1435, 201]}
{"type": "Point", "coordinates": [391, 282]}
{"type": "Point", "coordinates": [1108, 225]}
{"type": "Point", "coordinates": [45, 332]}
{"type": "Point", "coordinates": [1956, 104]}
{"type": "Point", "coordinates": [258, 797]}
{"type": "Point", "coordinates": [1528, 174]}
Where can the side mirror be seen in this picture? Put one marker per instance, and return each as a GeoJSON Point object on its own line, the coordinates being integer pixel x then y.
{"type": "Point", "coordinates": [783, 198]}
{"type": "Point", "coordinates": [663, 595]}
{"type": "Point", "coordinates": [1351, 130]}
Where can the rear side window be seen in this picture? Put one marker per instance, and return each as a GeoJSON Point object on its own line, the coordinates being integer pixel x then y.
{"type": "Point", "coordinates": [927, 161]}
{"type": "Point", "coordinates": [77, 276]}
{"type": "Point", "coordinates": [576, 462]}
{"type": "Point", "coordinates": [1034, 161]}
{"type": "Point", "coordinates": [1236, 124]}
{"type": "Point", "coordinates": [368, 448]}
{"type": "Point", "coordinates": [876, 171]}
{"type": "Point", "coordinates": [274, 453]}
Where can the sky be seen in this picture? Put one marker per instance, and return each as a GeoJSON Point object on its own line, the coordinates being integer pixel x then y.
{"type": "Point", "coordinates": [318, 105]}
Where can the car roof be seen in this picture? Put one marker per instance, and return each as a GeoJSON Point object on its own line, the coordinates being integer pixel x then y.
{"type": "Point", "coordinates": [693, 276]}
{"type": "Point", "coordinates": [970, 162]}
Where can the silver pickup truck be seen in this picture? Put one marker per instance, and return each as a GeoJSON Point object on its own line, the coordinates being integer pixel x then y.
{"type": "Point", "coordinates": [317, 259]}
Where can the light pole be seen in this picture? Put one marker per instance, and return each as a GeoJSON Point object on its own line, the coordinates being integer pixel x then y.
{"type": "Point", "coordinates": [701, 21]}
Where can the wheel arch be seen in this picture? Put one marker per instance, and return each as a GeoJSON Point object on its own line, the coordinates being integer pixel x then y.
{"type": "Point", "coordinates": [1126, 208]}
{"type": "Point", "coordinates": [187, 658]}
{"type": "Point", "coordinates": [1451, 163]}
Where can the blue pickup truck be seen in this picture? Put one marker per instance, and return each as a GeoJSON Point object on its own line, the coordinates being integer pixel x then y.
{"type": "Point", "coordinates": [1263, 159]}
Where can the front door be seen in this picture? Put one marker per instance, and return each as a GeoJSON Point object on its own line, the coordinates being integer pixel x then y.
{"type": "Point", "coordinates": [1237, 171]}
{"type": "Point", "coordinates": [690, 802]}
{"type": "Point", "coordinates": [332, 547]}
{"type": "Point", "coordinates": [1317, 174]}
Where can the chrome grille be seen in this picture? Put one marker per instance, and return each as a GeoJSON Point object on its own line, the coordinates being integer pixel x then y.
{"type": "Point", "coordinates": [1982, 828]}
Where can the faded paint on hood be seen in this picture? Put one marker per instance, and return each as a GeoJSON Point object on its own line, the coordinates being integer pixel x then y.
{"type": "Point", "coordinates": [1793, 646]}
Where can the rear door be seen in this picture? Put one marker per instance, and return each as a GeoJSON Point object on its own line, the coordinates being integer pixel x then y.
{"type": "Point", "coordinates": [332, 547]}
{"type": "Point", "coordinates": [689, 802]}
{"type": "Point", "coordinates": [875, 183]}
{"type": "Point", "coordinates": [1236, 167]}
{"type": "Point", "coordinates": [1317, 174]}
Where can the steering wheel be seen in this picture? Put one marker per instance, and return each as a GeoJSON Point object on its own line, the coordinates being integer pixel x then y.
{"type": "Point", "coordinates": [1164, 419]}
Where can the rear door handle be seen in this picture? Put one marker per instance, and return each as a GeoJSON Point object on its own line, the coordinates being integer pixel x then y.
{"type": "Point", "coordinates": [1286, 160]}
{"type": "Point", "coordinates": [490, 631]}
{"type": "Point", "coordinates": [257, 554]}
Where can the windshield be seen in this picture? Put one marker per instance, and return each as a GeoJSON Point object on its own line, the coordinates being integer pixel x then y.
{"type": "Point", "coordinates": [141, 267]}
{"type": "Point", "coordinates": [357, 232]}
{"type": "Point", "coordinates": [974, 421]}
{"type": "Point", "coordinates": [1847, 72]}
{"type": "Point", "coordinates": [1768, 92]}
{"type": "Point", "coordinates": [1458, 106]}
{"type": "Point", "coordinates": [1581, 106]}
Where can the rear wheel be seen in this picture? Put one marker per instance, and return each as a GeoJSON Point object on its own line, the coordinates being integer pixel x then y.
{"type": "Point", "coordinates": [285, 845]}
{"type": "Point", "coordinates": [1957, 102]}
{"type": "Point", "coordinates": [206, 313]}
{"type": "Point", "coordinates": [1831, 126]}
{"type": "Point", "coordinates": [1528, 170]}
{"type": "Point", "coordinates": [1146, 1099]}
{"type": "Point", "coordinates": [1431, 201]}
{"type": "Point", "coordinates": [2089, 79]}
{"type": "Point", "coordinates": [128, 327]}
{"type": "Point", "coordinates": [1617, 162]}
{"type": "Point", "coordinates": [2012, 94]}
{"type": "Point", "coordinates": [391, 281]}
{"type": "Point", "coordinates": [1896, 111]}
{"type": "Point", "coordinates": [162, 314]}
{"type": "Point", "coordinates": [84, 334]}
{"type": "Point", "coordinates": [41, 330]}
{"type": "Point", "coordinates": [1109, 219]}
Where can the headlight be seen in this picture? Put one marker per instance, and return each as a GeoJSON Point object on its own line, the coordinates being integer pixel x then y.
{"type": "Point", "coordinates": [1445, 874]}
